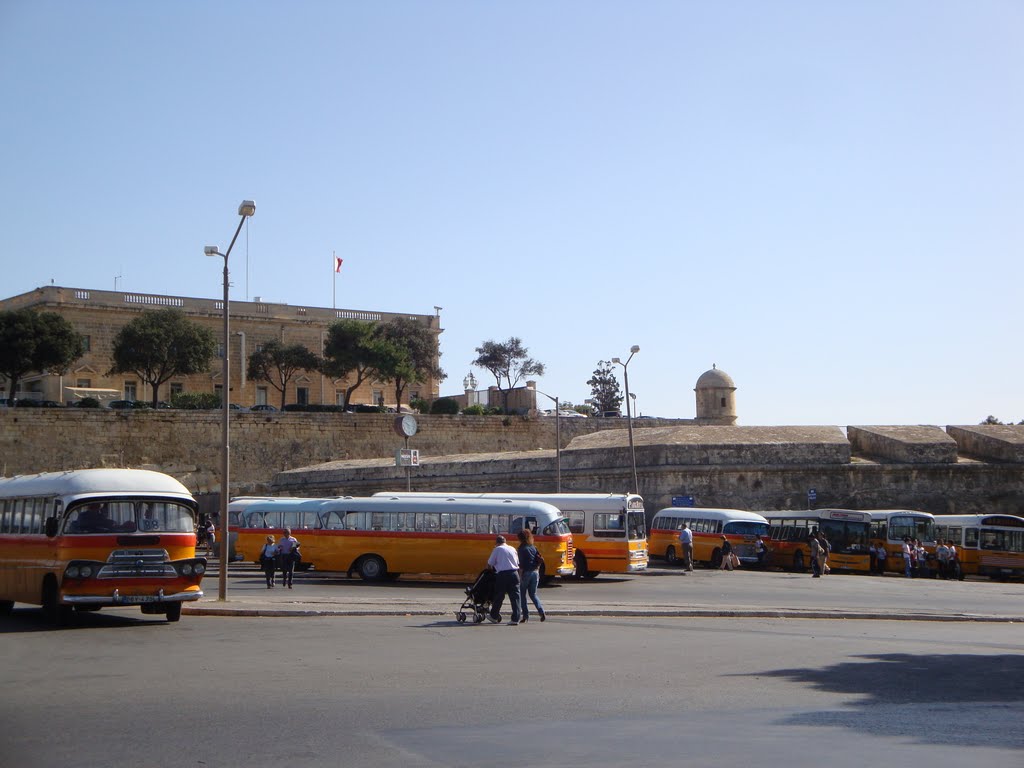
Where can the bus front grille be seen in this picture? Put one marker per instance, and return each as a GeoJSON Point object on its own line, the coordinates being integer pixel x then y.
{"type": "Point", "coordinates": [128, 563]}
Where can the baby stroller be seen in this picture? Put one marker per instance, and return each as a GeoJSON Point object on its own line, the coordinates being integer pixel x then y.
{"type": "Point", "coordinates": [478, 598]}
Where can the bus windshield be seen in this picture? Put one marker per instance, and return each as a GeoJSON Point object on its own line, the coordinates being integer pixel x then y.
{"type": "Point", "coordinates": [129, 516]}
{"type": "Point", "coordinates": [637, 525]}
{"type": "Point", "coordinates": [746, 528]}
{"type": "Point", "coordinates": [922, 528]}
{"type": "Point", "coordinates": [846, 537]}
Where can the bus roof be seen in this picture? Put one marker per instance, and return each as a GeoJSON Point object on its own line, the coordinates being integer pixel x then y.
{"type": "Point", "coordinates": [710, 513]}
{"type": "Point", "coordinates": [854, 515]}
{"type": "Point", "coordinates": [885, 514]}
{"type": "Point", "coordinates": [560, 500]}
{"type": "Point", "coordinates": [1004, 521]}
{"type": "Point", "coordinates": [92, 481]}
{"type": "Point", "coordinates": [526, 508]}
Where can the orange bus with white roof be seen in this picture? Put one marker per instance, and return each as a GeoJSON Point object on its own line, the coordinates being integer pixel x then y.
{"type": "Point", "coordinates": [93, 538]}
{"type": "Point", "coordinates": [708, 525]}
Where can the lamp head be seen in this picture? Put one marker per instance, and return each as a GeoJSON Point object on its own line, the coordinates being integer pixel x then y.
{"type": "Point", "coordinates": [634, 349]}
{"type": "Point", "coordinates": [211, 250]}
{"type": "Point", "coordinates": [247, 208]}
{"type": "Point", "coordinates": [616, 360]}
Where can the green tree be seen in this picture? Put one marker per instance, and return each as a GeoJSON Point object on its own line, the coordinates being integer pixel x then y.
{"type": "Point", "coordinates": [33, 341]}
{"type": "Point", "coordinates": [159, 345]}
{"type": "Point", "coordinates": [604, 388]}
{"type": "Point", "coordinates": [991, 420]}
{"type": "Point", "coordinates": [419, 362]}
{"type": "Point", "coordinates": [508, 362]}
{"type": "Point", "coordinates": [355, 348]}
{"type": "Point", "coordinates": [278, 364]}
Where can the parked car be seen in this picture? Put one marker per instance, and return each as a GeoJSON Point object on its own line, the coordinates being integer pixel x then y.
{"type": "Point", "coordinates": [238, 408]}
{"type": "Point", "coordinates": [263, 407]}
{"type": "Point", "coordinates": [125, 405]}
{"type": "Point", "coordinates": [23, 403]}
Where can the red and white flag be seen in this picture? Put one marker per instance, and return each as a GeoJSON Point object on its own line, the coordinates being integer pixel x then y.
{"type": "Point", "coordinates": [337, 264]}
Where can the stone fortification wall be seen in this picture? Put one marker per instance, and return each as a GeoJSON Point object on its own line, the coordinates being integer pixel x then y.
{"type": "Point", "coordinates": [186, 444]}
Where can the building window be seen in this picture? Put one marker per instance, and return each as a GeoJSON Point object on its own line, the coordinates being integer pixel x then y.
{"type": "Point", "coordinates": [723, 402]}
{"type": "Point", "coordinates": [218, 390]}
{"type": "Point", "coordinates": [302, 395]}
{"type": "Point", "coordinates": [414, 394]}
{"type": "Point", "coordinates": [220, 350]}
{"type": "Point", "coordinates": [86, 343]}
{"type": "Point", "coordinates": [87, 383]}
{"type": "Point", "coordinates": [130, 390]}
{"type": "Point", "coordinates": [177, 389]}
{"type": "Point", "coordinates": [378, 397]}
{"type": "Point", "coordinates": [261, 395]}
{"type": "Point", "coordinates": [339, 397]}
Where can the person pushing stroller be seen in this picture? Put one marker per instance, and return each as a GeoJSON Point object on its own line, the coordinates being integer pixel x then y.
{"type": "Point", "coordinates": [504, 561]}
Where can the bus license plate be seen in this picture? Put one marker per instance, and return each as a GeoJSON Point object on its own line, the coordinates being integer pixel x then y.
{"type": "Point", "coordinates": [133, 599]}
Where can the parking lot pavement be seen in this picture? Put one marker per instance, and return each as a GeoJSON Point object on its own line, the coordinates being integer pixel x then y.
{"type": "Point", "coordinates": [702, 593]}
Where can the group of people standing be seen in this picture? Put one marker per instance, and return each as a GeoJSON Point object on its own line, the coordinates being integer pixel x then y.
{"type": "Point", "coordinates": [917, 563]}
{"type": "Point", "coordinates": [517, 576]}
{"type": "Point", "coordinates": [820, 550]}
{"type": "Point", "coordinates": [282, 555]}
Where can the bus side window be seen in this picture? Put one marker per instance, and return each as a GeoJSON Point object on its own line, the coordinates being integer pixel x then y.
{"type": "Point", "coordinates": [575, 519]}
{"type": "Point", "coordinates": [971, 538]}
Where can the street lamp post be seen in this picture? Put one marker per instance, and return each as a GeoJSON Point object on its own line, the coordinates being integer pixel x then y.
{"type": "Point", "coordinates": [245, 210]}
{"type": "Point", "coordinates": [558, 439]}
{"type": "Point", "coordinates": [629, 414]}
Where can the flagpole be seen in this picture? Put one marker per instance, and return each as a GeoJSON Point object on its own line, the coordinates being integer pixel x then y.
{"type": "Point", "coordinates": [334, 282]}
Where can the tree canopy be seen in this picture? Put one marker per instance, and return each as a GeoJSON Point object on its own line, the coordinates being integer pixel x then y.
{"type": "Point", "coordinates": [508, 362]}
{"type": "Point", "coordinates": [355, 348]}
{"type": "Point", "coordinates": [278, 364]}
{"type": "Point", "coordinates": [33, 341]}
{"type": "Point", "coordinates": [419, 362]}
{"type": "Point", "coordinates": [161, 344]}
{"type": "Point", "coordinates": [604, 388]}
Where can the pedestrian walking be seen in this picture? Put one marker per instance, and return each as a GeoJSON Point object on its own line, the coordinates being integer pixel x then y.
{"type": "Point", "coordinates": [530, 563]}
{"type": "Point", "coordinates": [726, 549]}
{"type": "Point", "coordinates": [826, 550]}
{"type": "Point", "coordinates": [815, 547]}
{"type": "Point", "coordinates": [268, 561]}
{"type": "Point", "coordinates": [287, 551]}
{"type": "Point", "coordinates": [504, 561]}
{"type": "Point", "coordinates": [686, 546]}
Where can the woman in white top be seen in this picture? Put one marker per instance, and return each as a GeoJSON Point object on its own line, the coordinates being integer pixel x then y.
{"type": "Point", "coordinates": [268, 560]}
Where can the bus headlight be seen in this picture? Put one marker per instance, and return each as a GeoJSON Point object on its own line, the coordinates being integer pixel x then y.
{"type": "Point", "coordinates": [85, 571]}
{"type": "Point", "coordinates": [199, 569]}
{"type": "Point", "coordinates": [186, 569]}
{"type": "Point", "coordinates": [71, 572]}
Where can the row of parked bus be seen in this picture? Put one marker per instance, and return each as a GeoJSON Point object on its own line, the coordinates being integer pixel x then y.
{"type": "Point", "coordinates": [82, 540]}
{"type": "Point", "coordinates": [987, 545]}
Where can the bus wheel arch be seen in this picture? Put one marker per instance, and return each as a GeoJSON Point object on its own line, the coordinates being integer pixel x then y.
{"type": "Point", "coordinates": [53, 610]}
{"type": "Point", "coordinates": [716, 558]}
{"type": "Point", "coordinates": [671, 557]}
{"type": "Point", "coordinates": [580, 561]}
{"type": "Point", "coordinates": [371, 567]}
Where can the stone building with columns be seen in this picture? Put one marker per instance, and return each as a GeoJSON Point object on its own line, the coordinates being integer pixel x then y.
{"type": "Point", "coordinates": [99, 315]}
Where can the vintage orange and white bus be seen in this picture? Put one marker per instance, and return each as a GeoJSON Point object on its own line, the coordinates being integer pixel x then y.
{"type": "Point", "coordinates": [987, 545]}
{"type": "Point", "coordinates": [93, 538]}
{"type": "Point", "coordinates": [708, 525]}
{"type": "Point", "coordinates": [385, 537]}
{"type": "Point", "coordinates": [890, 526]}
{"type": "Point", "coordinates": [847, 532]}
{"type": "Point", "coordinates": [609, 531]}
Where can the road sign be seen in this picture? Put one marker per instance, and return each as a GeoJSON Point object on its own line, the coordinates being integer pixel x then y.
{"type": "Point", "coordinates": [407, 457]}
{"type": "Point", "coordinates": [682, 501]}
{"type": "Point", "coordinates": [812, 495]}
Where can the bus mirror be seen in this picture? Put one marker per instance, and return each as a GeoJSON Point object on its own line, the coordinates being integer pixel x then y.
{"type": "Point", "coordinates": [51, 527]}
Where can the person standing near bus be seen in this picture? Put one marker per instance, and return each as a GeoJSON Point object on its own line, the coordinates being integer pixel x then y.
{"type": "Point", "coordinates": [287, 549]}
{"type": "Point", "coordinates": [826, 548]}
{"type": "Point", "coordinates": [726, 550]}
{"type": "Point", "coordinates": [504, 561]}
{"type": "Point", "coordinates": [529, 567]}
{"type": "Point", "coordinates": [761, 550]}
{"type": "Point", "coordinates": [268, 560]}
{"type": "Point", "coordinates": [881, 555]}
{"type": "Point", "coordinates": [815, 547]}
{"type": "Point", "coordinates": [907, 566]}
{"type": "Point", "coordinates": [686, 546]}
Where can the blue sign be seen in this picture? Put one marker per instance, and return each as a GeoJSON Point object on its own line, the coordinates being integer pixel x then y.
{"type": "Point", "coordinates": [812, 495]}
{"type": "Point", "coordinates": [682, 501]}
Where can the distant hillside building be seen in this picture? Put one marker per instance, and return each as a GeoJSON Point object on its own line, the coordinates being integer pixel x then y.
{"type": "Point", "coordinates": [99, 315]}
{"type": "Point", "coordinates": [716, 398]}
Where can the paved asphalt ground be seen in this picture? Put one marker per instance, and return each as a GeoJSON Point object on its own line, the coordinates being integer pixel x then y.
{"type": "Point", "coordinates": [661, 591]}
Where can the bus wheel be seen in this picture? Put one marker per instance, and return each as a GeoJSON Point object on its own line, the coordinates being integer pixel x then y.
{"type": "Point", "coordinates": [6, 606]}
{"type": "Point", "coordinates": [592, 575]}
{"type": "Point", "coordinates": [173, 611]}
{"type": "Point", "coordinates": [581, 565]}
{"type": "Point", "coordinates": [670, 555]}
{"type": "Point", "coordinates": [55, 613]}
{"type": "Point", "coordinates": [798, 561]}
{"type": "Point", "coordinates": [716, 558]}
{"type": "Point", "coordinates": [372, 568]}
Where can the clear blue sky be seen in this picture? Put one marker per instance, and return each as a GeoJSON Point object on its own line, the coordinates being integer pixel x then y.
{"type": "Point", "coordinates": [823, 199]}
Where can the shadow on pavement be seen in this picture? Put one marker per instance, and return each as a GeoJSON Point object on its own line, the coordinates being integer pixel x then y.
{"type": "Point", "coordinates": [954, 699]}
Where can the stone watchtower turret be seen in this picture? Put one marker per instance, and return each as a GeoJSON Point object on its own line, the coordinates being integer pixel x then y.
{"type": "Point", "coordinates": [716, 398]}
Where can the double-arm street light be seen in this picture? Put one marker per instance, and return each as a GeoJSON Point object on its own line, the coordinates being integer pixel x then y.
{"type": "Point", "coordinates": [558, 439]}
{"type": "Point", "coordinates": [629, 414]}
{"type": "Point", "coordinates": [245, 210]}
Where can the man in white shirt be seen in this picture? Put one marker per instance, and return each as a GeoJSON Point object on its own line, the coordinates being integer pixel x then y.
{"type": "Point", "coordinates": [686, 546]}
{"type": "Point", "coordinates": [504, 561]}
